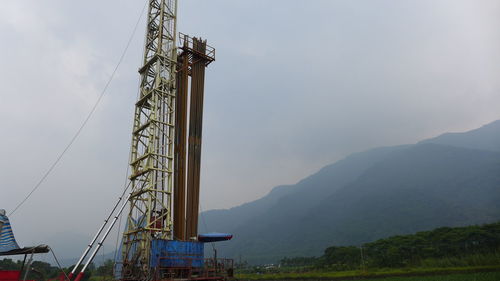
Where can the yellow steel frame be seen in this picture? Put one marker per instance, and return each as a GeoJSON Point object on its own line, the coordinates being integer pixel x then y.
{"type": "Point", "coordinates": [152, 154]}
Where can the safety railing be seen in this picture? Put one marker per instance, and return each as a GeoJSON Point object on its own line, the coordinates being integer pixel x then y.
{"type": "Point", "coordinates": [186, 42]}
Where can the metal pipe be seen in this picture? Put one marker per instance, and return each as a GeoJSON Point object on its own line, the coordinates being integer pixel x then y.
{"type": "Point", "coordinates": [181, 129]}
{"type": "Point", "coordinates": [28, 266]}
{"type": "Point", "coordinates": [99, 245]}
{"type": "Point", "coordinates": [22, 267]}
{"type": "Point", "coordinates": [85, 253]}
{"type": "Point", "coordinates": [195, 135]}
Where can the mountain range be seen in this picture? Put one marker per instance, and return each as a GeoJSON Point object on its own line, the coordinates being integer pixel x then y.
{"type": "Point", "coordinates": [450, 180]}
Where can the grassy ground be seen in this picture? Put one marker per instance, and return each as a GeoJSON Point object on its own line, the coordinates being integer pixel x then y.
{"type": "Point", "coordinates": [480, 276]}
{"type": "Point", "coordinates": [388, 274]}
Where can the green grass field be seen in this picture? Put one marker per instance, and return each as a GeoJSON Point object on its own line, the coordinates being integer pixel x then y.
{"type": "Point", "coordinates": [481, 276]}
{"type": "Point", "coordinates": [407, 274]}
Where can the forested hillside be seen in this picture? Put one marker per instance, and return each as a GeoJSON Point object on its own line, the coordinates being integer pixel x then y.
{"type": "Point", "coordinates": [452, 180]}
{"type": "Point", "coordinates": [460, 246]}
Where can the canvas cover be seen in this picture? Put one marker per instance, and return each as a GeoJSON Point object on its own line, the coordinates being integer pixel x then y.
{"type": "Point", "coordinates": [214, 237]}
{"type": "Point", "coordinates": [8, 244]}
{"type": "Point", "coordinates": [7, 240]}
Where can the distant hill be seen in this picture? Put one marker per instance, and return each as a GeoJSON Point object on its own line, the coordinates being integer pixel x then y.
{"type": "Point", "coordinates": [450, 180]}
{"type": "Point", "coordinates": [485, 138]}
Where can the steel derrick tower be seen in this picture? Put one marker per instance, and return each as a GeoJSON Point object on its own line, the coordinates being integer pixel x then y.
{"type": "Point", "coordinates": [161, 240]}
{"type": "Point", "coordinates": [152, 154]}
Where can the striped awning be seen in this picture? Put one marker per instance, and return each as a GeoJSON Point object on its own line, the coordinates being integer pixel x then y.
{"type": "Point", "coordinates": [7, 240]}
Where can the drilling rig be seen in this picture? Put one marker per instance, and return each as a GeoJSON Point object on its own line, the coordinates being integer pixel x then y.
{"type": "Point", "coordinates": [161, 240]}
{"type": "Point", "coordinates": [161, 237]}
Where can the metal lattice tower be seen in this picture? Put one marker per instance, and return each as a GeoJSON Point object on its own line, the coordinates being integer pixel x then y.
{"type": "Point", "coordinates": [152, 154]}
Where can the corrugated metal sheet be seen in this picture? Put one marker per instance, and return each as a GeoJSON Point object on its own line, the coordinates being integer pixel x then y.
{"type": "Point", "coordinates": [171, 253]}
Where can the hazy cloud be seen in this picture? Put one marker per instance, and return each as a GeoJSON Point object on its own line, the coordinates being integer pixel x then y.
{"type": "Point", "coordinates": [296, 85]}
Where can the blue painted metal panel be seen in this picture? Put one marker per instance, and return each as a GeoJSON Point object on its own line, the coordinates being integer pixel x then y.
{"type": "Point", "coordinates": [172, 253]}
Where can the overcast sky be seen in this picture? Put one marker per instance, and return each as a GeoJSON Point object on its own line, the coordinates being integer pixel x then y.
{"type": "Point", "coordinates": [297, 85]}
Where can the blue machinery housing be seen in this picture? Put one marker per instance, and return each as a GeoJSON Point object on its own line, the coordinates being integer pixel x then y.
{"type": "Point", "coordinates": [173, 253]}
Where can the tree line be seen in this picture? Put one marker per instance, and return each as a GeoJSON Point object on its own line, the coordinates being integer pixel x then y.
{"type": "Point", "coordinates": [479, 244]}
{"type": "Point", "coordinates": [44, 271]}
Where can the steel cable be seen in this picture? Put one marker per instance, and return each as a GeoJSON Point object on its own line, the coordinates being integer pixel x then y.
{"type": "Point", "coordinates": [58, 263]}
{"type": "Point", "coordinates": [80, 129]}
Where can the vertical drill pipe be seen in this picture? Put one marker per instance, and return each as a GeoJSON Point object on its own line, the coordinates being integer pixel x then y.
{"type": "Point", "coordinates": [191, 155]}
{"type": "Point", "coordinates": [195, 137]}
{"type": "Point", "coordinates": [181, 126]}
